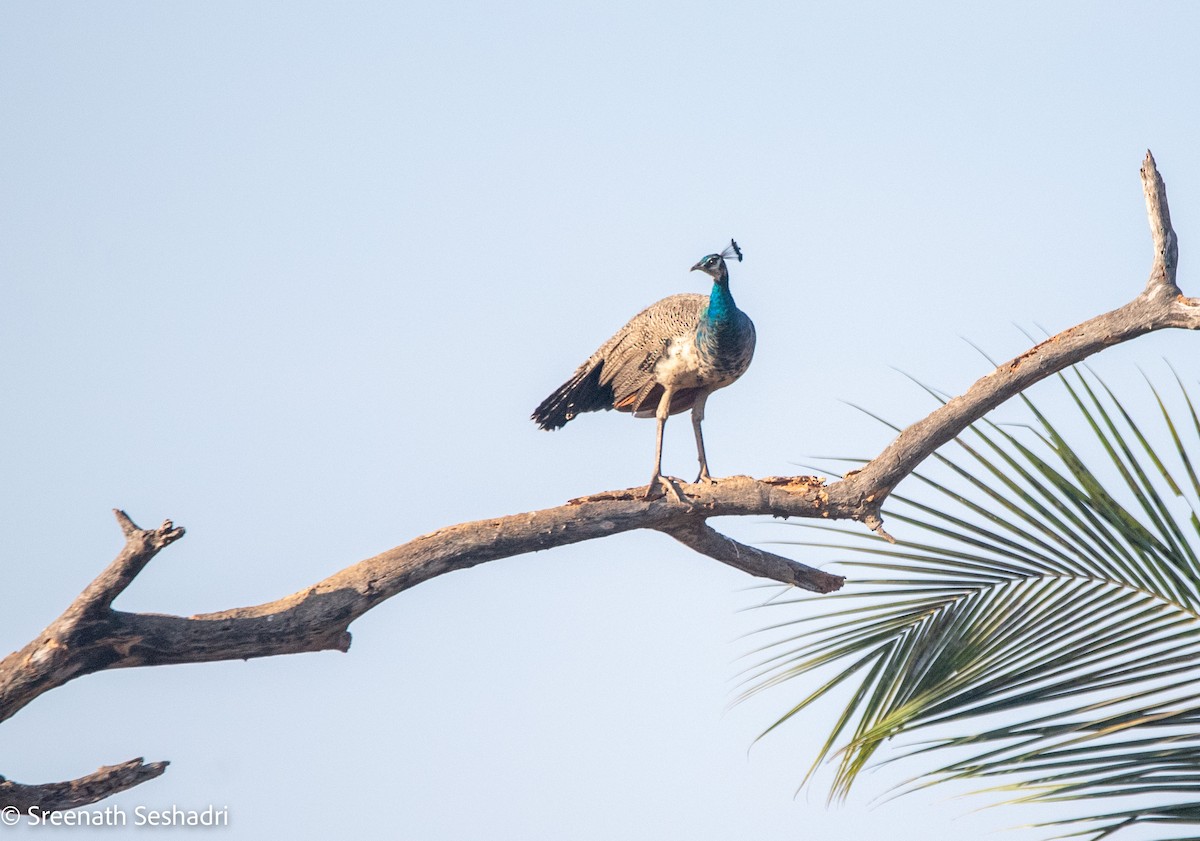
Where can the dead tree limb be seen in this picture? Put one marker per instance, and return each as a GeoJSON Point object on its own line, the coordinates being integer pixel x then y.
{"type": "Point", "coordinates": [91, 636]}
{"type": "Point", "coordinates": [54, 797]}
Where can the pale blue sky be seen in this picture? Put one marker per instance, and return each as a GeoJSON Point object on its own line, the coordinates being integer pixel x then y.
{"type": "Point", "coordinates": [295, 274]}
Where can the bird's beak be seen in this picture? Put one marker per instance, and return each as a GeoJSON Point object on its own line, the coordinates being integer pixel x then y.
{"type": "Point", "coordinates": [696, 267]}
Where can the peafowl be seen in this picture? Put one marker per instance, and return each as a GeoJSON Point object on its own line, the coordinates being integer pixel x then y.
{"type": "Point", "coordinates": [666, 360]}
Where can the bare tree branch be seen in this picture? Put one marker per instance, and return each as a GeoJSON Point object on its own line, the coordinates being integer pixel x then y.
{"type": "Point", "coordinates": [54, 797]}
{"type": "Point", "coordinates": [699, 535]}
{"type": "Point", "coordinates": [91, 636]}
{"type": "Point", "coordinates": [140, 547]}
{"type": "Point", "coordinates": [1160, 305]}
{"type": "Point", "coordinates": [1166, 243]}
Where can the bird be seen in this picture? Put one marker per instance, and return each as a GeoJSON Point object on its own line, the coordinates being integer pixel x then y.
{"type": "Point", "coordinates": [669, 358]}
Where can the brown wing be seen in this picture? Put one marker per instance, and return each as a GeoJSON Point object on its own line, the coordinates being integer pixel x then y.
{"type": "Point", "coordinates": [620, 375]}
{"type": "Point", "coordinates": [629, 357]}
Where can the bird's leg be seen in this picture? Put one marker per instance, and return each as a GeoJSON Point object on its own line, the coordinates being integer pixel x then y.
{"type": "Point", "coordinates": [697, 418]}
{"type": "Point", "coordinates": [659, 482]}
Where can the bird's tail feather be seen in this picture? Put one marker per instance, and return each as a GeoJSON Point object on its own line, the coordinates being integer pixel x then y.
{"type": "Point", "coordinates": [584, 392]}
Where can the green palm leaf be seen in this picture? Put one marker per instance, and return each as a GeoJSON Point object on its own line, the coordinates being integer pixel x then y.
{"type": "Point", "coordinates": [1039, 630]}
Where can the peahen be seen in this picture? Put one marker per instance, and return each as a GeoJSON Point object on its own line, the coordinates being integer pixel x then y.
{"type": "Point", "coordinates": [666, 360]}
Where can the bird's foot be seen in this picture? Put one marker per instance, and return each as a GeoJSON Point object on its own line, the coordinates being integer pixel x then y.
{"type": "Point", "coordinates": [704, 478]}
{"type": "Point", "coordinates": [660, 486]}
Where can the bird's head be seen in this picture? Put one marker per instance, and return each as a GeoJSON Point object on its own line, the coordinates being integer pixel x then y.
{"type": "Point", "coordinates": [714, 264]}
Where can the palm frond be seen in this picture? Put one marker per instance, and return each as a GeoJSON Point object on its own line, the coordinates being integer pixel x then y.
{"type": "Point", "coordinates": [1039, 629]}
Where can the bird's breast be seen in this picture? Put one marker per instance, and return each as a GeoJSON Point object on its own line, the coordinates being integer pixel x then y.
{"type": "Point", "coordinates": [725, 348]}
{"type": "Point", "coordinates": [680, 365]}
{"type": "Point", "coordinates": [687, 363]}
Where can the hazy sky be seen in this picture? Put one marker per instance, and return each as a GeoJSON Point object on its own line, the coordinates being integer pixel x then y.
{"type": "Point", "coordinates": [294, 275]}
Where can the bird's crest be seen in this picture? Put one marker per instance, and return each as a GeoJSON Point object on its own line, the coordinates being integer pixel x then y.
{"type": "Point", "coordinates": [732, 251]}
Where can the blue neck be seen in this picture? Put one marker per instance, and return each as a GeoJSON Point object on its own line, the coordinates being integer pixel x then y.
{"type": "Point", "coordinates": [720, 303]}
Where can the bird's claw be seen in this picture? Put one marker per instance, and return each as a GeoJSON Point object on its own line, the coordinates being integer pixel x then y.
{"type": "Point", "coordinates": [659, 487]}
